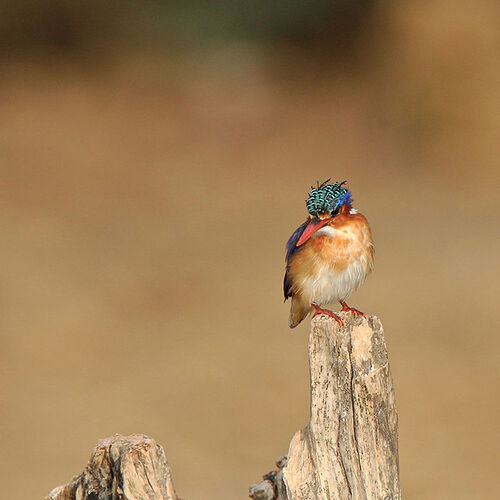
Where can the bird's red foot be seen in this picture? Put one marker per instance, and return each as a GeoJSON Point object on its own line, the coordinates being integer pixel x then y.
{"type": "Point", "coordinates": [336, 317]}
{"type": "Point", "coordinates": [346, 308]}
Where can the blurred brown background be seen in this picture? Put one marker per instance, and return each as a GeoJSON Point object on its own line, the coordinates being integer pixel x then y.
{"type": "Point", "coordinates": [155, 157]}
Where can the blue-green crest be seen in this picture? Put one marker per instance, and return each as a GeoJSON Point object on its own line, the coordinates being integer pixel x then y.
{"type": "Point", "coordinates": [327, 198]}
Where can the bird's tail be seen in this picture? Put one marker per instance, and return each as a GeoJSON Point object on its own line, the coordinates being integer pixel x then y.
{"type": "Point", "coordinates": [298, 311]}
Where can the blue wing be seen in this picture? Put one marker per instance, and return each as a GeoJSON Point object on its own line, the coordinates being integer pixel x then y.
{"type": "Point", "coordinates": [291, 248]}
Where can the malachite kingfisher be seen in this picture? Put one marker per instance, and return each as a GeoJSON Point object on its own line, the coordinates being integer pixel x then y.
{"type": "Point", "coordinates": [328, 256]}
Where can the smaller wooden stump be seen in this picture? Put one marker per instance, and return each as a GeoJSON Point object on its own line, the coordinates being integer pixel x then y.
{"type": "Point", "coordinates": [122, 468]}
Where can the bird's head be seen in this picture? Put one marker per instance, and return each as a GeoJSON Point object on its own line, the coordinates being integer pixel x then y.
{"type": "Point", "coordinates": [323, 204]}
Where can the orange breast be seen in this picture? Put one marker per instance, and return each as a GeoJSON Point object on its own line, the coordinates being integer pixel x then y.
{"type": "Point", "coordinates": [350, 242]}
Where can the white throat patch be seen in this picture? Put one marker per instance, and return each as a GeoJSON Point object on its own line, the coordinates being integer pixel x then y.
{"type": "Point", "coordinates": [325, 231]}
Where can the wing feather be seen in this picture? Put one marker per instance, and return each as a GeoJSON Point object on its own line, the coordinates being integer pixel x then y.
{"type": "Point", "coordinates": [291, 248]}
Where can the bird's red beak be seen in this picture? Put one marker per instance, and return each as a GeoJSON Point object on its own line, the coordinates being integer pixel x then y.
{"type": "Point", "coordinates": [311, 228]}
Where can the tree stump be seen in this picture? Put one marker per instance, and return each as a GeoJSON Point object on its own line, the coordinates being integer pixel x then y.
{"type": "Point", "coordinates": [349, 450]}
{"type": "Point", "coordinates": [122, 468]}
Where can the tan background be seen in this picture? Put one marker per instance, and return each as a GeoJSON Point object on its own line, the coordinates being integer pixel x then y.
{"type": "Point", "coordinates": [147, 194]}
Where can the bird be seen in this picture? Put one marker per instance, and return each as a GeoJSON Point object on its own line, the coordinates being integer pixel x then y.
{"type": "Point", "coordinates": [328, 256]}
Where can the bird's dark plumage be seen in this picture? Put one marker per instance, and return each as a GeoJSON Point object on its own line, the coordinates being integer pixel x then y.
{"type": "Point", "coordinates": [291, 248]}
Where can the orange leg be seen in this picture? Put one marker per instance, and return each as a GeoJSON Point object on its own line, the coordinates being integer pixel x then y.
{"type": "Point", "coordinates": [336, 317]}
{"type": "Point", "coordinates": [346, 308]}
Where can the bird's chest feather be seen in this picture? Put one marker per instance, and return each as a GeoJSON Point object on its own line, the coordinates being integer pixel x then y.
{"type": "Point", "coordinates": [335, 261]}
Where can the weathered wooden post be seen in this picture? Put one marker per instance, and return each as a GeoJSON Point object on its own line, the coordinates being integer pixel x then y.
{"type": "Point", "coordinates": [349, 450]}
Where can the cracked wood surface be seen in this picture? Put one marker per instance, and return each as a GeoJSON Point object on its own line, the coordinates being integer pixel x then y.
{"type": "Point", "coordinates": [122, 468]}
{"type": "Point", "coordinates": [349, 450]}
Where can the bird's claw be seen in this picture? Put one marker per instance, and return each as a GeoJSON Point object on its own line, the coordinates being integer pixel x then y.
{"type": "Point", "coordinates": [331, 314]}
{"type": "Point", "coordinates": [356, 312]}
